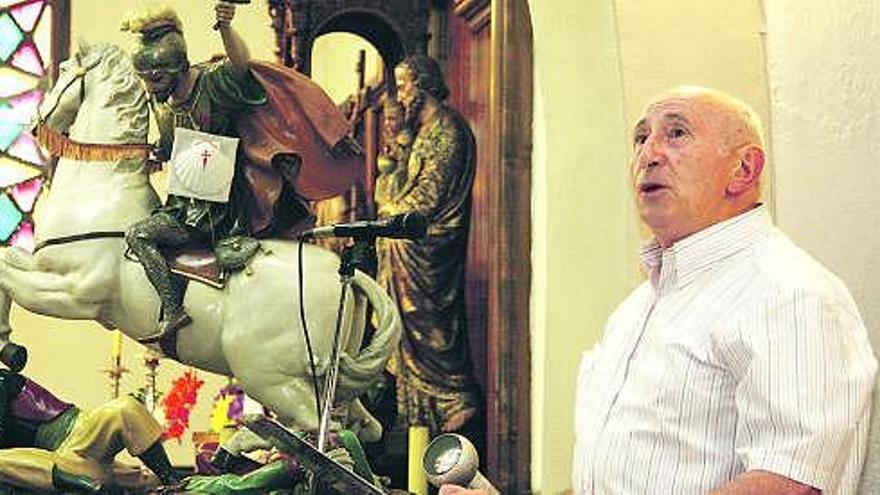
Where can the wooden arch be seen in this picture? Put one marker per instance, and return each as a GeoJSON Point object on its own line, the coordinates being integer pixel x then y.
{"type": "Point", "coordinates": [395, 28]}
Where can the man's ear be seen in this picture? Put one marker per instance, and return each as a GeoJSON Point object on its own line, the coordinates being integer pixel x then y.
{"type": "Point", "coordinates": [745, 176]}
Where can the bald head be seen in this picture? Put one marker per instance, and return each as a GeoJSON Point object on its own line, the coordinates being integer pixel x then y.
{"type": "Point", "coordinates": [698, 157]}
{"type": "Point", "coordinates": [740, 124]}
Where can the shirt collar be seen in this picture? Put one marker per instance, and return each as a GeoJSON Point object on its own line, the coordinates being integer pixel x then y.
{"type": "Point", "coordinates": [700, 252]}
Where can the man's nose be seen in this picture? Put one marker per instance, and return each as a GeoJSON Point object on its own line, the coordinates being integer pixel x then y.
{"type": "Point", "coordinates": [651, 153]}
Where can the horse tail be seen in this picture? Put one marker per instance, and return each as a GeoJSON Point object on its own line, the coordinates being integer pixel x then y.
{"type": "Point", "coordinates": [358, 372]}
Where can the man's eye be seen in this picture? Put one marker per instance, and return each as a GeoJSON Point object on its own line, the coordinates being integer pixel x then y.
{"type": "Point", "coordinates": [676, 133]}
{"type": "Point", "coordinates": [639, 139]}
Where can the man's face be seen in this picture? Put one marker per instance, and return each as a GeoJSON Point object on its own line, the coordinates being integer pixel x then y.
{"type": "Point", "coordinates": [406, 87]}
{"type": "Point", "coordinates": [159, 83]}
{"type": "Point", "coordinates": [681, 166]}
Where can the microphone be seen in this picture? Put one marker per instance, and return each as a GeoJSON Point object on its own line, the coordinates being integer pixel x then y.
{"type": "Point", "coordinates": [410, 225]}
{"type": "Point", "coordinates": [452, 459]}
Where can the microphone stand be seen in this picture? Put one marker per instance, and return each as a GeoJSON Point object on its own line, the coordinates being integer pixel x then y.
{"type": "Point", "coordinates": [360, 255]}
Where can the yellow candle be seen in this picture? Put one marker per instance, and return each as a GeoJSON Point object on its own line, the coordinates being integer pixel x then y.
{"type": "Point", "coordinates": [116, 351]}
{"type": "Point", "coordinates": [417, 482]}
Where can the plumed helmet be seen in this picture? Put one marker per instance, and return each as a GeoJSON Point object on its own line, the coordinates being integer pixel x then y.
{"type": "Point", "coordinates": [160, 44]}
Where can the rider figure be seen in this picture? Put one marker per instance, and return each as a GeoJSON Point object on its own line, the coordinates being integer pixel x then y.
{"type": "Point", "coordinates": [46, 443]}
{"type": "Point", "coordinates": [204, 97]}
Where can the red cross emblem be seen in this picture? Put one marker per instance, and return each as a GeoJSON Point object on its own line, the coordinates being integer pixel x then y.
{"type": "Point", "coordinates": [205, 156]}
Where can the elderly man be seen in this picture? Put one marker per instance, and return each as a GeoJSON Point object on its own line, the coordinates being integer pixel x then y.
{"type": "Point", "coordinates": [741, 365]}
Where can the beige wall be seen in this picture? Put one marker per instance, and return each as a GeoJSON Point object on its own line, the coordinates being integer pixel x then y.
{"type": "Point", "coordinates": [581, 221]}
{"type": "Point", "coordinates": [98, 21]}
{"type": "Point", "coordinates": [595, 65]}
{"type": "Point", "coordinates": [334, 63]}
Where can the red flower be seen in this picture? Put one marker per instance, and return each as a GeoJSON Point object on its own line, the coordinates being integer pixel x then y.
{"type": "Point", "coordinates": [178, 403]}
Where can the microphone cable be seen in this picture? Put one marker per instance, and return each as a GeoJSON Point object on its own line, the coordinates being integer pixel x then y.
{"type": "Point", "coordinates": [302, 319]}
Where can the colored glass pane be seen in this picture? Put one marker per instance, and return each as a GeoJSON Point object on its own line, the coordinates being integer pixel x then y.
{"type": "Point", "coordinates": [27, 14]}
{"type": "Point", "coordinates": [14, 82]}
{"type": "Point", "coordinates": [13, 171]}
{"type": "Point", "coordinates": [8, 132]}
{"type": "Point", "coordinates": [26, 35]}
{"type": "Point", "coordinates": [24, 237]}
{"type": "Point", "coordinates": [28, 60]}
{"type": "Point", "coordinates": [25, 149]}
{"type": "Point", "coordinates": [42, 35]}
{"type": "Point", "coordinates": [10, 36]}
{"type": "Point", "coordinates": [25, 194]}
{"type": "Point", "coordinates": [25, 105]}
{"type": "Point", "coordinates": [9, 217]}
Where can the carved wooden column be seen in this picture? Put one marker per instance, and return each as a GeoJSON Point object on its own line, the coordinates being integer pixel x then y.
{"type": "Point", "coordinates": [510, 285]}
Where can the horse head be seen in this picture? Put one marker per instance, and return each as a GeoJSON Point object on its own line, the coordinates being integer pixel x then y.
{"type": "Point", "coordinates": [97, 97]}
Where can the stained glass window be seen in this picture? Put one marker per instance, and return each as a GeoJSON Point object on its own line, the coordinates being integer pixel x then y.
{"type": "Point", "coordinates": [26, 39]}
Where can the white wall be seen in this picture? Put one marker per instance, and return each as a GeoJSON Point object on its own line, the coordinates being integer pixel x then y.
{"type": "Point", "coordinates": [824, 69]}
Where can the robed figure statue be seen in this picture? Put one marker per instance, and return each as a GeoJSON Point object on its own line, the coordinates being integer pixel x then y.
{"type": "Point", "coordinates": [435, 382]}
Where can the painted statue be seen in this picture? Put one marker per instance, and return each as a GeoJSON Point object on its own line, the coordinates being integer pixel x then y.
{"type": "Point", "coordinates": [391, 162]}
{"type": "Point", "coordinates": [49, 444]}
{"type": "Point", "coordinates": [214, 196]}
{"type": "Point", "coordinates": [247, 463]}
{"type": "Point", "coordinates": [426, 278]}
{"type": "Point", "coordinates": [95, 119]}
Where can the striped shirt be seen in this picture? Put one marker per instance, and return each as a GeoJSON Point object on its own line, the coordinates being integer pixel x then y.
{"type": "Point", "coordinates": [739, 353]}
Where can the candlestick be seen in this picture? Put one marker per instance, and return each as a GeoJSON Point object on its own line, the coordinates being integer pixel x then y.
{"type": "Point", "coordinates": [116, 370]}
{"type": "Point", "coordinates": [417, 482]}
{"type": "Point", "coordinates": [116, 350]}
{"type": "Point", "coordinates": [151, 392]}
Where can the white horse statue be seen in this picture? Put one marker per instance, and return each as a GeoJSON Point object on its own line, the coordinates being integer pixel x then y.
{"type": "Point", "coordinates": [250, 329]}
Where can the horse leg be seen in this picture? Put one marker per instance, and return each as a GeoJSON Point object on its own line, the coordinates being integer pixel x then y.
{"type": "Point", "coordinates": [291, 399]}
{"type": "Point", "coordinates": [12, 355]}
{"type": "Point", "coordinates": [65, 296]}
{"type": "Point", "coordinates": [46, 293]}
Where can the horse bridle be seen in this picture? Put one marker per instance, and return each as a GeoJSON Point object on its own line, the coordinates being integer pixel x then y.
{"type": "Point", "coordinates": [60, 145]}
{"type": "Point", "coordinates": [80, 75]}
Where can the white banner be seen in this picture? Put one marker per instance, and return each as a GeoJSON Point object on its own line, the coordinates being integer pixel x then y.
{"type": "Point", "coordinates": [202, 165]}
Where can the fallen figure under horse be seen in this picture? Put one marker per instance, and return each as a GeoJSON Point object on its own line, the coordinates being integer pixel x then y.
{"type": "Point", "coordinates": [249, 329]}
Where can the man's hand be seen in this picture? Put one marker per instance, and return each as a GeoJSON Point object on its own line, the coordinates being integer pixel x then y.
{"type": "Point", "coordinates": [236, 48]}
{"type": "Point", "coordinates": [224, 12]}
{"type": "Point", "coordinates": [457, 490]}
{"type": "Point", "coordinates": [760, 482]}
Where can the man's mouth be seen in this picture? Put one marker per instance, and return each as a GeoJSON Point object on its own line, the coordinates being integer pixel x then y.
{"type": "Point", "coordinates": [650, 187]}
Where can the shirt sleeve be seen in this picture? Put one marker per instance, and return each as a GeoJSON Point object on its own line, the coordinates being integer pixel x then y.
{"type": "Point", "coordinates": [805, 372]}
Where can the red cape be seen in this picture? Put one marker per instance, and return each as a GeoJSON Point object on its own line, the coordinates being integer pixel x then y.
{"type": "Point", "coordinates": [298, 118]}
